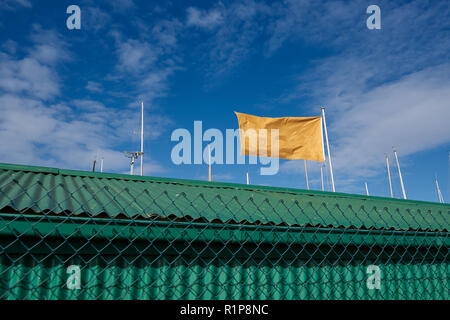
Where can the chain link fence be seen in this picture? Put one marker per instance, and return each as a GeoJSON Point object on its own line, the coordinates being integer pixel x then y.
{"type": "Point", "coordinates": [77, 235]}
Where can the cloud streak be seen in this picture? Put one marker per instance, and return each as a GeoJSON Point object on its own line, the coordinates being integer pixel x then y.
{"type": "Point", "coordinates": [37, 126]}
{"type": "Point", "coordinates": [384, 88]}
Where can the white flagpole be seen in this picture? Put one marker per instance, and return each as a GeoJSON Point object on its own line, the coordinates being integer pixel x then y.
{"type": "Point", "coordinates": [132, 165]}
{"type": "Point", "coordinates": [209, 163]}
{"type": "Point", "coordinates": [248, 180]}
{"type": "Point", "coordinates": [328, 149]}
{"type": "Point", "coordinates": [440, 197]}
{"type": "Point", "coordinates": [321, 177]}
{"type": "Point", "coordinates": [400, 174]}
{"type": "Point", "coordinates": [306, 174]}
{"type": "Point", "coordinates": [142, 138]}
{"type": "Point", "coordinates": [367, 189]}
{"type": "Point", "coordinates": [389, 176]}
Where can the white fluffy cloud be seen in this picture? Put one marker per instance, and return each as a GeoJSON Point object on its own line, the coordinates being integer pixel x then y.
{"type": "Point", "coordinates": [204, 19]}
{"type": "Point", "coordinates": [381, 89]}
{"type": "Point", "coordinates": [93, 86]}
{"type": "Point", "coordinates": [63, 136]}
{"type": "Point", "coordinates": [28, 76]}
{"type": "Point", "coordinates": [411, 113]}
{"type": "Point", "coordinates": [136, 56]}
{"type": "Point", "coordinates": [37, 126]}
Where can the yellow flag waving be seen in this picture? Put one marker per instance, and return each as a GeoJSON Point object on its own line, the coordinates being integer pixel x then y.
{"type": "Point", "coordinates": [297, 137]}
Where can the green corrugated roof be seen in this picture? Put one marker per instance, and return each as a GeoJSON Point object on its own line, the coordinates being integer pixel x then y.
{"type": "Point", "coordinates": [49, 190]}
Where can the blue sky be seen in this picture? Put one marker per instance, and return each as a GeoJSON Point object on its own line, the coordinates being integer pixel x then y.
{"type": "Point", "coordinates": [67, 96]}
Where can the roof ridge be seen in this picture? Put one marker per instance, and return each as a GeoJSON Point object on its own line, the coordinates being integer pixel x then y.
{"type": "Point", "coordinates": [207, 184]}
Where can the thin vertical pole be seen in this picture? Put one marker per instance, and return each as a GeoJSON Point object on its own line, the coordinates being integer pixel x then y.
{"type": "Point", "coordinates": [389, 176]}
{"type": "Point", "coordinates": [132, 165]}
{"type": "Point", "coordinates": [142, 138]}
{"type": "Point", "coordinates": [321, 177]}
{"type": "Point", "coordinates": [306, 175]}
{"type": "Point", "coordinates": [400, 175]}
{"type": "Point", "coordinates": [367, 189]}
{"type": "Point", "coordinates": [328, 149]}
{"type": "Point", "coordinates": [101, 165]}
{"type": "Point", "coordinates": [440, 197]}
{"type": "Point", "coordinates": [248, 180]}
{"type": "Point", "coordinates": [209, 163]}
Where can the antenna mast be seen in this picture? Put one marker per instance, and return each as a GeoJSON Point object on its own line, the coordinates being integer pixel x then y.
{"type": "Point", "coordinates": [142, 138]}
{"type": "Point", "coordinates": [389, 176]}
{"type": "Point", "coordinates": [328, 148]}
{"type": "Point", "coordinates": [400, 174]}
{"type": "Point", "coordinates": [209, 163]}
{"type": "Point", "coordinates": [321, 176]}
{"type": "Point", "coordinates": [440, 197]}
{"type": "Point", "coordinates": [306, 175]}
{"type": "Point", "coordinates": [133, 156]}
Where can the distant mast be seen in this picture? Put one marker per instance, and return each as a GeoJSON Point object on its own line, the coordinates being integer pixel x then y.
{"type": "Point", "coordinates": [306, 175]}
{"type": "Point", "coordinates": [328, 149]}
{"type": "Point", "coordinates": [321, 177]}
{"type": "Point", "coordinates": [389, 176]}
{"type": "Point", "coordinates": [142, 138]}
{"type": "Point", "coordinates": [134, 155]}
{"type": "Point", "coordinates": [209, 163]}
{"type": "Point", "coordinates": [440, 197]}
{"type": "Point", "coordinates": [400, 174]}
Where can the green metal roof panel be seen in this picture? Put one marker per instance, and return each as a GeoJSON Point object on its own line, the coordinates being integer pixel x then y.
{"type": "Point", "coordinates": [50, 190]}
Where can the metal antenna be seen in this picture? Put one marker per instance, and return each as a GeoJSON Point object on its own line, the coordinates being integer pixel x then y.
{"type": "Point", "coordinates": [209, 163]}
{"type": "Point", "coordinates": [132, 156]}
{"type": "Point", "coordinates": [400, 174]}
{"type": "Point", "coordinates": [95, 161]}
{"type": "Point", "coordinates": [321, 176]}
{"type": "Point", "coordinates": [328, 149]}
{"type": "Point", "coordinates": [389, 176]}
{"type": "Point", "coordinates": [142, 138]}
{"type": "Point", "coordinates": [439, 194]}
{"type": "Point", "coordinates": [306, 175]}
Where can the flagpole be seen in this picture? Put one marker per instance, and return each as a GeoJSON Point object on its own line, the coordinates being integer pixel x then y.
{"type": "Point", "coordinates": [440, 197]}
{"type": "Point", "coordinates": [248, 180]}
{"type": "Point", "coordinates": [321, 176]}
{"type": "Point", "coordinates": [367, 189]}
{"type": "Point", "coordinates": [209, 163]}
{"type": "Point", "coordinates": [328, 149]}
{"type": "Point", "coordinates": [142, 138]}
{"type": "Point", "coordinates": [306, 174]}
{"type": "Point", "coordinates": [400, 174]}
{"type": "Point", "coordinates": [389, 176]}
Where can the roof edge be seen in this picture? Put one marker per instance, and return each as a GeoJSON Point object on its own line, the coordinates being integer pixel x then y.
{"type": "Point", "coordinates": [69, 172]}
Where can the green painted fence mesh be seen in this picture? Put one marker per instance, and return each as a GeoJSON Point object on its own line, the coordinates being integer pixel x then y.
{"type": "Point", "coordinates": [79, 235]}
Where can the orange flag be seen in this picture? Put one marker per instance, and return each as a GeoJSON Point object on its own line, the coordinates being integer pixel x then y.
{"type": "Point", "coordinates": [298, 137]}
